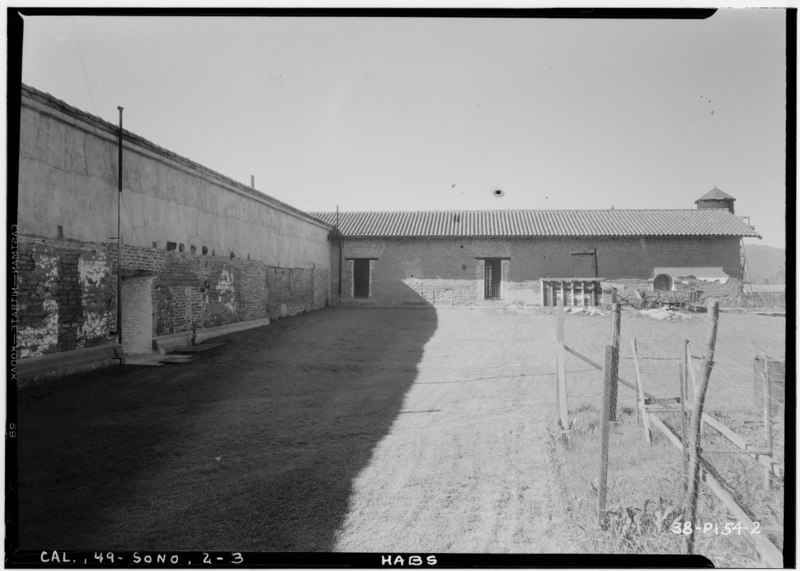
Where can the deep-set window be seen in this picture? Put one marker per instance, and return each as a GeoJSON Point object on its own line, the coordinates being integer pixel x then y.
{"type": "Point", "coordinates": [662, 282]}
{"type": "Point", "coordinates": [361, 277]}
{"type": "Point", "coordinates": [491, 278]}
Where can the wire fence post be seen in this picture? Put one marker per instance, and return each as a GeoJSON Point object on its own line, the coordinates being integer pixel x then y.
{"type": "Point", "coordinates": [687, 368]}
{"type": "Point", "coordinates": [609, 379]}
{"type": "Point", "coordinates": [561, 371]}
{"type": "Point", "coordinates": [640, 393]}
{"type": "Point", "coordinates": [690, 504]}
{"type": "Point", "coordinates": [684, 451]}
{"type": "Point", "coordinates": [615, 330]}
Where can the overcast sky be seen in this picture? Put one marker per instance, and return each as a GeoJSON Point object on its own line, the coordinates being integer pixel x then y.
{"type": "Point", "coordinates": [436, 114]}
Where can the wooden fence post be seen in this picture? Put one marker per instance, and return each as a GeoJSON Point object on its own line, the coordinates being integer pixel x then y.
{"type": "Point", "coordinates": [681, 379]}
{"type": "Point", "coordinates": [561, 370]}
{"type": "Point", "coordinates": [615, 328]}
{"type": "Point", "coordinates": [691, 368]}
{"type": "Point", "coordinates": [608, 380]}
{"type": "Point", "coordinates": [690, 505]}
{"type": "Point", "coordinates": [640, 393]}
{"type": "Point", "coordinates": [768, 421]}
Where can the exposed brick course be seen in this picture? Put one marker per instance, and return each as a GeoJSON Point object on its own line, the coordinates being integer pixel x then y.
{"type": "Point", "coordinates": [67, 292]}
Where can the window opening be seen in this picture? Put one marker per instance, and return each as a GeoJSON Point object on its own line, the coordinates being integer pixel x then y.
{"type": "Point", "coordinates": [662, 282]}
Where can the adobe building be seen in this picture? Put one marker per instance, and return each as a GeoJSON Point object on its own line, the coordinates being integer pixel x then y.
{"type": "Point", "coordinates": [202, 254]}
{"type": "Point", "coordinates": [533, 257]}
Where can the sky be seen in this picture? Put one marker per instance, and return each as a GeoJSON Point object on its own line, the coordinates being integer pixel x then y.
{"type": "Point", "coordinates": [437, 114]}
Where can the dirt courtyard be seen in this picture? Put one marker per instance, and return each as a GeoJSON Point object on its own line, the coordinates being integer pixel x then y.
{"type": "Point", "coordinates": [341, 430]}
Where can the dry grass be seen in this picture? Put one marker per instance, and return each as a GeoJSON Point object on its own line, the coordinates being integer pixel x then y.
{"type": "Point", "coordinates": [645, 494]}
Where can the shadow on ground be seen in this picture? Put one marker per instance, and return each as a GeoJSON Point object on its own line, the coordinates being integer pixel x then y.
{"type": "Point", "coordinates": [254, 447]}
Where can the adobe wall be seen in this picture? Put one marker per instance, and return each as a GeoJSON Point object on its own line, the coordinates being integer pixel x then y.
{"type": "Point", "coordinates": [217, 251]}
{"type": "Point", "coordinates": [450, 271]}
{"type": "Point", "coordinates": [68, 179]}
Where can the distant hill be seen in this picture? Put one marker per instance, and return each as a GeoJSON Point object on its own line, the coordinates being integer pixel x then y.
{"type": "Point", "coordinates": [765, 264]}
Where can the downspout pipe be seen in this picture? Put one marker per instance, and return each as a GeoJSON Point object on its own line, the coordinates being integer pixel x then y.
{"type": "Point", "coordinates": [119, 232]}
{"type": "Point", "coordinates": [339, 240]}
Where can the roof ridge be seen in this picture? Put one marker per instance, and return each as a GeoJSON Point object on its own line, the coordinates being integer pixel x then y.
{"type": "Point", "coordinates": [520, 210]}
{"type": "Point", "coordinates": [539, 223]}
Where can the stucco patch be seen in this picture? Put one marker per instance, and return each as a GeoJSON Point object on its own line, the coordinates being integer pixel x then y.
{"type": "Point", "coordinates": [38, 340]}
{"type": "Point", "coordinates": [226, 293]}
{"type": "Point", "coordinates": [98, 315]}
{"type": "Point", "coordinates": [93, 269]}
{"type": "Point", "coordinates": [94, 326]}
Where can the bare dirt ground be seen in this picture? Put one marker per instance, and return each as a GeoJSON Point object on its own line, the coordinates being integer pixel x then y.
{"type": "Point", "coordinates": [346, 429]}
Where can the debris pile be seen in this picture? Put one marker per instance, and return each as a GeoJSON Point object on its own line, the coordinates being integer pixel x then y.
{"type": "Point", "coordinates": [662, 313]}
{"type": "Point", "coordinates": [585, 310]}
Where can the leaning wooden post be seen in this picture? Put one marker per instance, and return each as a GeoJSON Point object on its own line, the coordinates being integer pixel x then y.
{"type": "Point", "coordinates": [690, 505]}
{"type": "Point", "coordinates": [684, 449]}
{"type": "Point", "coordinates": [640, 393]}
{"type": "Point", "coordinates": [768, 421]}
{"type": "Point", "coordinates": [615, 327]}
{"type": "Point", "coordinates": [609, 379]}
{"type": "Point", "coordinates": [690, 367]}
{"type": "Point", "coordinates": [561, 370]}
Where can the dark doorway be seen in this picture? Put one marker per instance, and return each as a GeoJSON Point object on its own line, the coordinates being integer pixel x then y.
{"type": "Point", "coordinates": [492, 279]}
{"type": "Point", "coordinates": [361, 278]}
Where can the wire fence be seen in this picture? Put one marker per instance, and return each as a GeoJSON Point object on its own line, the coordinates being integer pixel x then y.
{"type": "Point", "coordinates": [744, 341]}
{"type": "Point", "coordinates": [743, 440]}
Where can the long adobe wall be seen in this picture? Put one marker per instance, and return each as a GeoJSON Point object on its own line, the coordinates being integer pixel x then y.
{"type": "Point", "coordinates": [451, 271]}
{"type": "Point", "coordinates": [68, 187]}
{"type": "Point", "coordinates": [213, 251]}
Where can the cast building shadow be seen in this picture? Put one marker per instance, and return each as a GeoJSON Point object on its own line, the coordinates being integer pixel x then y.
{"type": "Point", "coordinates": [254, 447]}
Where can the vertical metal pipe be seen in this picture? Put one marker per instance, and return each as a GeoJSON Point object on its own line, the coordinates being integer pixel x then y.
{"type": "Point", "coordinates": [119, 232]}
{"type": "Point", "coordinates": [339, 240]}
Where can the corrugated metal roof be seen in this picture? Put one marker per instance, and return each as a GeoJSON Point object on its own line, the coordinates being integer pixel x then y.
{"type": "Point", "coordinates": [538, 223]}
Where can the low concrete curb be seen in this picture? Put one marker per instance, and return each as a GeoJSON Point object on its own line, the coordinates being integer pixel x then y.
{"type": "Point", "coordinates": [66, 362]}
{"type": "Point", "coordinates": [167, 343]}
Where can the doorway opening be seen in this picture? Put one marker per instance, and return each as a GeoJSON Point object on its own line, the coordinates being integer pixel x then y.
{"type": "Point", "coordinates": [361, 277]}
{"type": "Point", "coordinates": [491, 278]}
